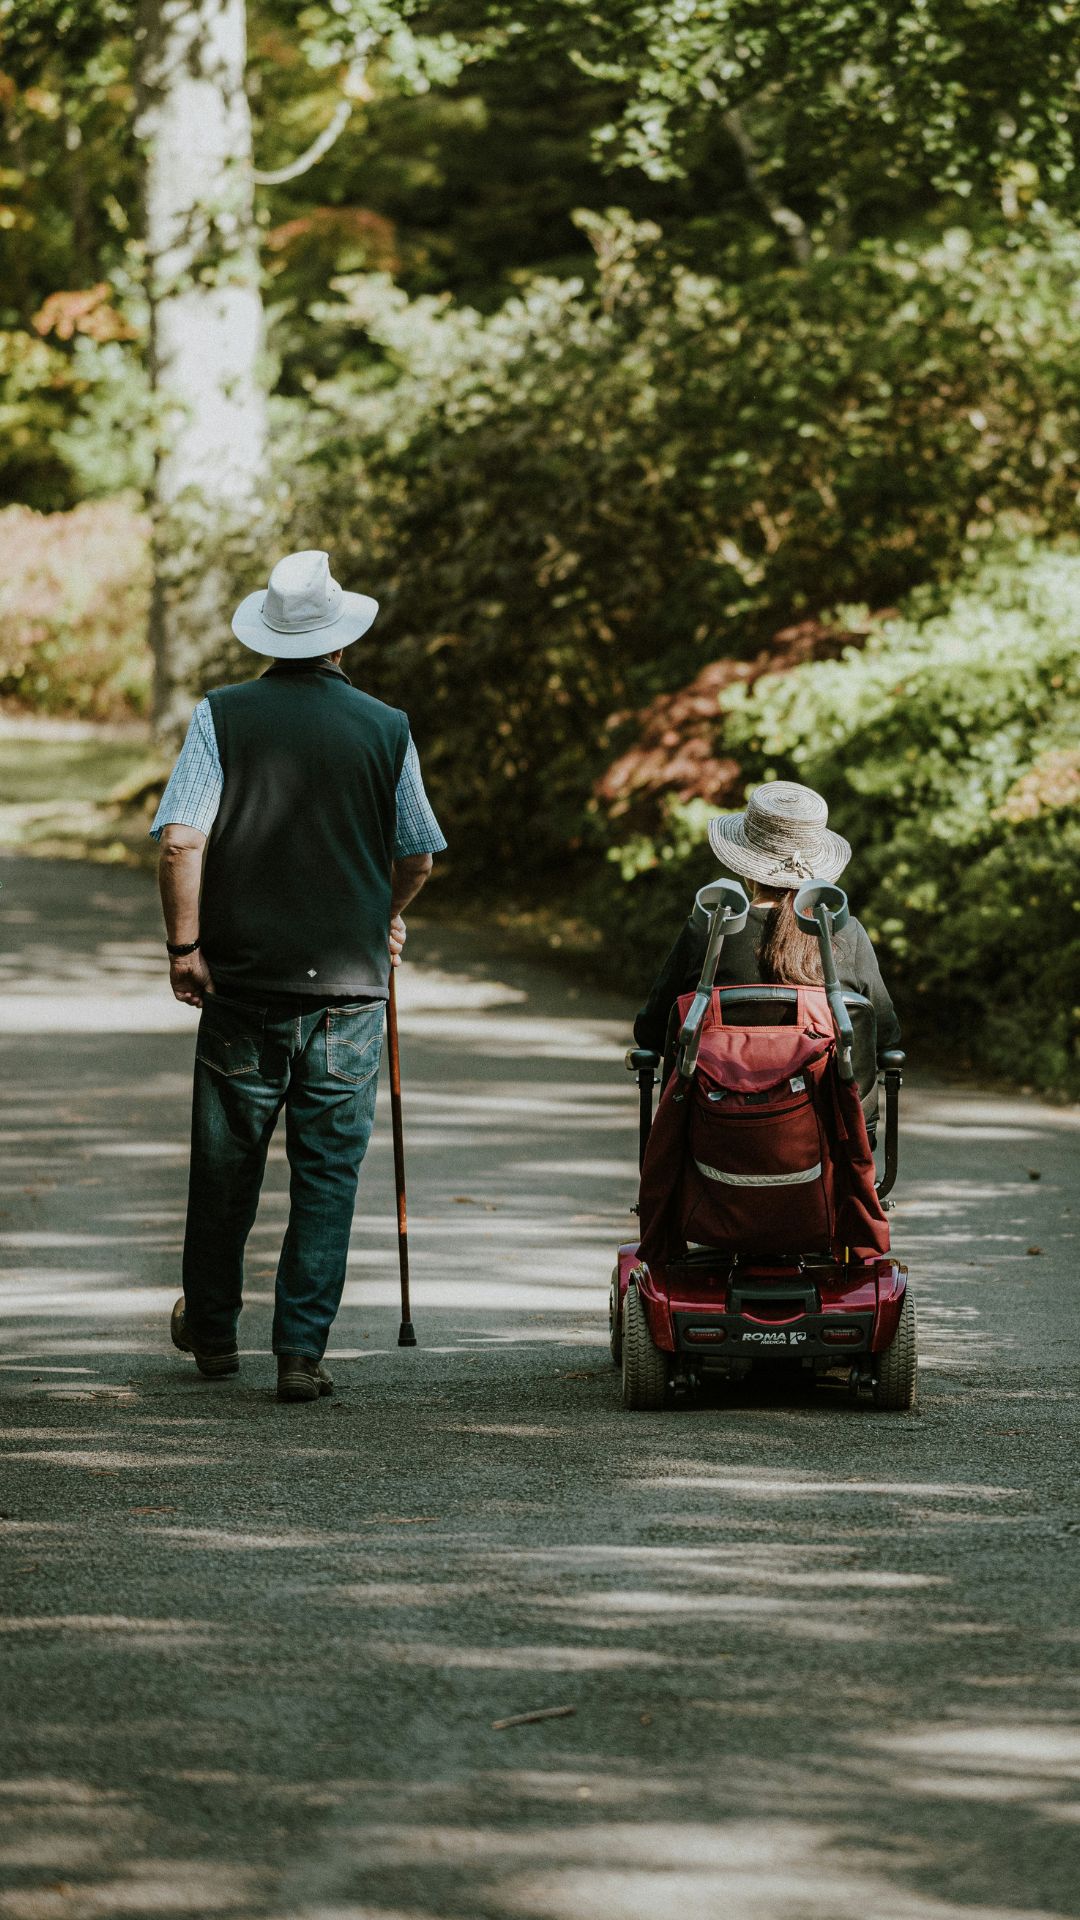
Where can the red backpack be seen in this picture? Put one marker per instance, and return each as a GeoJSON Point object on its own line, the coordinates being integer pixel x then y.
{"type": "Point", "coordinates": [764, 1151]}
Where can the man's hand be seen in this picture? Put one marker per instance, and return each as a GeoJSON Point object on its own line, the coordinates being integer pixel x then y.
{"type": "Point", "coordinates": [406, 879]}
{"type": "Point", "coordinates": [190, 979]}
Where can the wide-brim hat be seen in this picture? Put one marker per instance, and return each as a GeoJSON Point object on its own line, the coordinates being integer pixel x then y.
{"type": "Point", "coordinates": [781, 838]}
{"type": "Point", "coordinates": [302, 612]}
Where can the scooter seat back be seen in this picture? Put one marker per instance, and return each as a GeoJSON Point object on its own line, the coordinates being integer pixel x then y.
{"type": "Point", "coordinates": [765, 1004]}
{"type": "Point", "coordinates": [763, 1150]}
{"type": "Point", "coordinates": [757, 1175]}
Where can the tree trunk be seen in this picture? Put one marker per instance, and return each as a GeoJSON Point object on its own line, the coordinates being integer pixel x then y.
{"type": "Point", "coordinates": [205, 330]}
{"type": "Point", "coordinates": [791, 225]}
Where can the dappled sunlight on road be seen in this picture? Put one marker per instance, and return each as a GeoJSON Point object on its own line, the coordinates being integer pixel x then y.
{"type": "Point", "coordinates": [766, 1486]}
{"type": "Point", "coordinates": [765, 1869]}
{"type": "Point", "coordinates": [1004, 1762]}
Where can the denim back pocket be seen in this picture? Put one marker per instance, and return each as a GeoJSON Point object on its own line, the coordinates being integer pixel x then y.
{"type": "Point", "coordinates": [354, 1041]}
{"type": "Point", "coordinates": [230, 1035]}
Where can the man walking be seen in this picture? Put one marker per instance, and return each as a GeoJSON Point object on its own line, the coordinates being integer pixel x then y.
{"type": "Point", "coordinates": [305, 796]}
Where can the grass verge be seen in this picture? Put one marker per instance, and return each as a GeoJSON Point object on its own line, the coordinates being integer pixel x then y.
{"type": "Point", "coordinates": [78, 794]}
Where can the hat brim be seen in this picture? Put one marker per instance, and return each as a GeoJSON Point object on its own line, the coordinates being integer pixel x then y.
{"type": "Point", "coordinates": [727, 838]}
{"type": "Point", "coordinates": [356, 614]}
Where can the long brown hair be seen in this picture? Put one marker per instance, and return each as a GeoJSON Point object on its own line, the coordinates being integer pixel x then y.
{"type": "Point", "coordinates": [787, 953]}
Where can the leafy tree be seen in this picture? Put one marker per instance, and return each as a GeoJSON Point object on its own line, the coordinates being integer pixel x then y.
{"type": "Point", "coordinates": [68, 187]}
{"type": "Point", "coordinates": [193, 266]}
{"type": "Point", "coordinates": [839, 110]}
{"type": "Point", "coordinates": [579, 501]}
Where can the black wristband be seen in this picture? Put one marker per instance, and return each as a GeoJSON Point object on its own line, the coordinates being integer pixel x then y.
{"type": "Point", "coordinates": [177, 953]}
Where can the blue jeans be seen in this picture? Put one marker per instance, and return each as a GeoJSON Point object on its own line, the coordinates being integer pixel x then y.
{"type": "Point", "coordinates": [322, 1065]}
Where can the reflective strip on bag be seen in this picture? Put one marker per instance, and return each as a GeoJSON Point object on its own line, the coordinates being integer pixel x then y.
{"type": "Point", "coordinates": [760, 1179]}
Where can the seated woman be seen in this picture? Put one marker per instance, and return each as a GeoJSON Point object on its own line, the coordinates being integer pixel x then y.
{"type": "Point", "coordinates": [779, 842]}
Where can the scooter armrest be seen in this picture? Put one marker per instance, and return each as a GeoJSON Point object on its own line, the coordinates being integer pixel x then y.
{"type": "Point", "coordinates": [642, 1060]}
{"type": "Point", "coordinates": [891, 1062]}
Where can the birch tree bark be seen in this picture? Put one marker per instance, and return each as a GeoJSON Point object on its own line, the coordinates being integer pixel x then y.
{"type": "Point", "coordinates": [205, 332]}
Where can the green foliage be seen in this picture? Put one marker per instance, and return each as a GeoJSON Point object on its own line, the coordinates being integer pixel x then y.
{"type": "Point", "coordinates": [107, 441]}
{"type": "Point", "coordinates": [924, 94]}
{"type": "Point", "coordinates": [68, 175]}
{"type": "Point", "coordinates": [74, 591]}
{"type": "Point", "coordinates": [68, 199]}
{"type": "Point", "coordinates": [583, 498]}
{"type": "Point", "coordinates": [356, 32]}
{"type": "Point", "coordinates": [75, 421]}
{"type": "Point", "coordinates": [947, 749]}
{"type": "Point", "coordinates": [32, 410]}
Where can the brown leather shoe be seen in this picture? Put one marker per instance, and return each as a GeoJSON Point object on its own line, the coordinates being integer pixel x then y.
{"type": "Point", "coordinates": [301, 1378]}
{"type": "Point", "coordinates": [214, 1366]}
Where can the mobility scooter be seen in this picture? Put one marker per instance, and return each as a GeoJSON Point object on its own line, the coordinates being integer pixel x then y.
{"type": "Point", "coordinates": [763, 1231]}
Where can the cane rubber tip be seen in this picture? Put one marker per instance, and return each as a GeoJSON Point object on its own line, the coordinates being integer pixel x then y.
{"type": "Point", "coordinates": [406, 1334]}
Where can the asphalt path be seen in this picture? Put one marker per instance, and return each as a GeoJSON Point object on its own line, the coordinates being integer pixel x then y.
{"type": "Point", "coordinates": [822, 1662]}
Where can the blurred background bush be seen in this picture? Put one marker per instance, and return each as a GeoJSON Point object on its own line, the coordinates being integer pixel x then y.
{"type": "Point", "coordinates": [74, 590]}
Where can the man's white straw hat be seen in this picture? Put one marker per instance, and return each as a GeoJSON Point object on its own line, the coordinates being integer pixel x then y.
{"type": "Point", "coordinates": [781, 839]}
{"type": "Point", "coordinates": [302, 612]}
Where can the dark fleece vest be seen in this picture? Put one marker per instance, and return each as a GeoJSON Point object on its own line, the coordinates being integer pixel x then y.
{"type": "Point", "coordinates": [296, 883]}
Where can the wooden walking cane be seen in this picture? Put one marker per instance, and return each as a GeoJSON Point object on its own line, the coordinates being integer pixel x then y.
{"type": "Point", "coordinates": [406, 1331]}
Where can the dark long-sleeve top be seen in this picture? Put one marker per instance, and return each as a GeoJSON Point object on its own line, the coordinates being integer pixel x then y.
{"type": "Point", "coordinates": [856, 966]}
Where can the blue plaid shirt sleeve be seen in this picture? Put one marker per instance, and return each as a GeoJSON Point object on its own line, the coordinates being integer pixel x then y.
{"type": "Point", "coordinates": [193, 794]}
{"type": "Point", "coordinates": [418, 831]}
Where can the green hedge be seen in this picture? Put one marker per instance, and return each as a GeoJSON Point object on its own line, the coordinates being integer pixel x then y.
{"type": "Point", "coordinates": [949, 751]}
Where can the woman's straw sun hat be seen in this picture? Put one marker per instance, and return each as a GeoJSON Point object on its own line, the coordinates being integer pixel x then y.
{"type": "Point", "coordinates": [781, 838]}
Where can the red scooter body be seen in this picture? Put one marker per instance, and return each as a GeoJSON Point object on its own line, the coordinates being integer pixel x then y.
{"type": "Point", "coordinates": [718, 1310]}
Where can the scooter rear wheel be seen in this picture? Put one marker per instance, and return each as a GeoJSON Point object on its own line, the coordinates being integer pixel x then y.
{"type": "Point", "coordinates": [644, 1368]}
{"type": "Point", "coordinates": [614, 1321]}
{"type": "Point", "coordinates": [896, 1371]}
